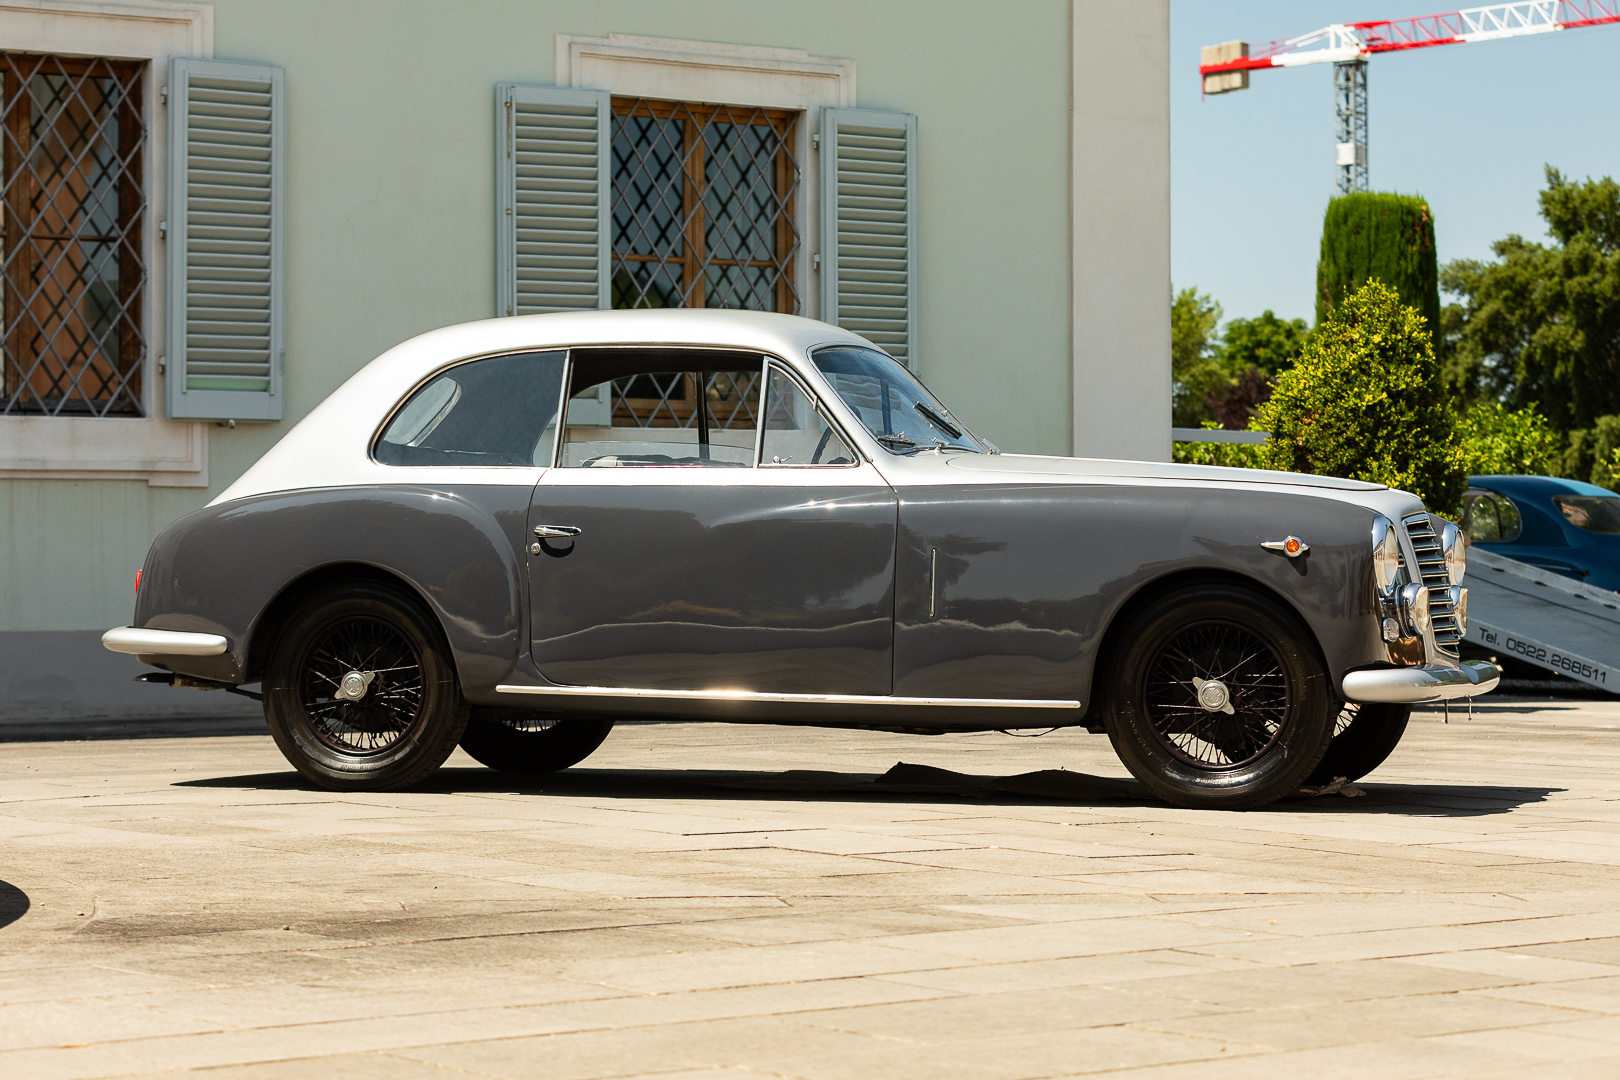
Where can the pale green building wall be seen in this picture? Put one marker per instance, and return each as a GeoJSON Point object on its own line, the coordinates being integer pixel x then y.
{"type": "Point", "coordinates": [390, 218]}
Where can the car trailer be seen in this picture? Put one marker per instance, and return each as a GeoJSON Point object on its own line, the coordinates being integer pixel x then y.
{"type": "Point", "coordinates": [1568, 627]}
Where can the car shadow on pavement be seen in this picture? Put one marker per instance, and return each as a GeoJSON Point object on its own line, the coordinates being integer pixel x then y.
{"type": "Point", "coordinates": [919, 783]}
{"type": "Point", "coordinates": [13, 903]}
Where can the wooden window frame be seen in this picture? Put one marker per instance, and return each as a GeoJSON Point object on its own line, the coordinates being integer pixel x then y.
{"type": "Point", "coordinates": [21, 262]}
{"type": "Point", "coordinates": [787, 180]}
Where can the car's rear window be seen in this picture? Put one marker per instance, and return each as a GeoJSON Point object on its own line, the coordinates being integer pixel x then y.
{"type": "Point", "coordinates": [1594, 513]}
{"type": "Point", "coordinates": [501, 410]}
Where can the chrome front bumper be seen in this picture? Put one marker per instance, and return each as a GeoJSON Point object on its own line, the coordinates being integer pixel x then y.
{"type": "Point", "coordinates": [1410, 685]}
{"type": "Point", "coordinates": [133, 639]}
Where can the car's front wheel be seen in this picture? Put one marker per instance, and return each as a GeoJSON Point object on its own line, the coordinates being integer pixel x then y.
{"type": "Point", "coordinates": [1363, 736]}
{"type": "Point", "coordinates": [1217, 699]}
{"type": "Point", "coordinates": [521, 741]}
{"type": "Point", "coordinates": [359, 693]}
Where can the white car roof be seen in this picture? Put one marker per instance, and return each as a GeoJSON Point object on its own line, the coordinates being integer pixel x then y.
{"type": "Point", "coordinates": [330, 446]}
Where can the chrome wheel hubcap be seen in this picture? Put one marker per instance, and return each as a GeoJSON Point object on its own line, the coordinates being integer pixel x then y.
{"type": "Point", "coordinates": [354, 685]}
{"type": "Point", "coordinates": [1213, 695]}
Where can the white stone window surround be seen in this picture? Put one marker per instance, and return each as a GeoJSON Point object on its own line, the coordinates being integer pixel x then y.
{"type": "Point", "coordinates": [753, 76]}
{"type": "Point", "coordinates": [161, 452]}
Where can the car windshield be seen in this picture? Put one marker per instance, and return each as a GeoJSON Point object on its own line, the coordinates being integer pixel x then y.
{"type": "Point", "coordinates": [1594, 513]}
{"type": "Point", "coordinates": [896, 408]}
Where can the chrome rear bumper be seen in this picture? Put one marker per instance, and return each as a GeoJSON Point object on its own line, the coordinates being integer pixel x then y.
{"type": "Point", "coordinates": [133, 639]}
{"type": "Point", "coordinates": [1411, 685]}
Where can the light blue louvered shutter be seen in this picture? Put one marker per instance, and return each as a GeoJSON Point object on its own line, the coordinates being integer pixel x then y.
{"type": "Point", "coordinates": [869, 226]}
{"type": "Point", "coordinates": [225, 244]}
{"type": "Point", "coordinates": [552, 217]}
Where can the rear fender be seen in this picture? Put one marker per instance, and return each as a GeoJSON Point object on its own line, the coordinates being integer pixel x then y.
{"type": "Point", "coordinates": [222, 569]}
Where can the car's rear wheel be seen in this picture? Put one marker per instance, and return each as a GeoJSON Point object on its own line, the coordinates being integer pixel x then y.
{"type": "Point", "coordinates": [1217, 699]}
{"type": "Point", "coordinates": [359, 692]}
{"type": "Point", "coordinates": [525, 741]}
{"type": "Point", "coordinates": [1363, 736]}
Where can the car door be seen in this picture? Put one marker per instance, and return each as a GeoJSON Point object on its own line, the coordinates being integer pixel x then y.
{"type": "Point", "coordinates": [665, 555]}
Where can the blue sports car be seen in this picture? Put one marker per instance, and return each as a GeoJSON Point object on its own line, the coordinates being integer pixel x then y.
{"type": "Point", "coordinates": [1564, 526]}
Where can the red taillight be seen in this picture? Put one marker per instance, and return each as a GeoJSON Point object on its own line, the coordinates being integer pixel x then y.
{"type": "Point", "coordinates": [137, 581]}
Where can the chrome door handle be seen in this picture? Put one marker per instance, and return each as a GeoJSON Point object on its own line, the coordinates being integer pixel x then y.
{"type": "Point", "coordinates": [554, 531]}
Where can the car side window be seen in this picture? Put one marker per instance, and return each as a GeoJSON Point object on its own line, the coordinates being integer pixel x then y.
{"type": "Point", "coordinates": [671, 418]}
{"type": "Point", "coordinates": [795, 431]}
{"type": "Point", "coordinates": [1491, 517]}
{"type": "Point", "coordinates": [501, 410]}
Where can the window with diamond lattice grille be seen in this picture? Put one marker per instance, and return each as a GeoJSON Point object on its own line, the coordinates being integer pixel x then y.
{"type": "Point", "coordinates": [670, 400]}
{"type": "Point", "coordinates": [703, 206]}
{"type": "Point", "coordinates": [72, 210]}
{"type": "Point", "coordinates": [703, 216]}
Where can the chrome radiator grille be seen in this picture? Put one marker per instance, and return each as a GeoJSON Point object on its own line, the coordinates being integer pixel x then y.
{"type": "Point", "coordinates": [1431, 571]}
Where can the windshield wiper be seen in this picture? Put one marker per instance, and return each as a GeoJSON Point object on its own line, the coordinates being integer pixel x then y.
{"type": "Point", "coordinates": [938, 421]}
{"type": "Point", "coordinates": [897, 442]}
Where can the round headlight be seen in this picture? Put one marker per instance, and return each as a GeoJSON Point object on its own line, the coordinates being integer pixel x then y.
{"type": "Point", "coordinates": [1386, 553]}
{"type": "Point", "coordinates": [1456, 552]}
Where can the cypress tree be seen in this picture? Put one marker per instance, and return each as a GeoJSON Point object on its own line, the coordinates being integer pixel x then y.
{"type": "Point", "coordinates": [1383, 236]}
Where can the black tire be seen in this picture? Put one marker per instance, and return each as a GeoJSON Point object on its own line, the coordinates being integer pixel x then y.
{"type": "Point", "coordinates": [409, 714]}
{"type": "Point", "coordinates": [524, 741]}
{"type": "Point", "coordinates": [1275, 716]}
{"type": "Point", "coordinates": [1363, 736]}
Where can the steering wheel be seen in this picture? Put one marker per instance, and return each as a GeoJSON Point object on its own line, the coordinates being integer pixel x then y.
{"type": "Point", "coordinates": [826, 437]}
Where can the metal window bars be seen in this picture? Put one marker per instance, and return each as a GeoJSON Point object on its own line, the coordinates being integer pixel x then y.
{"type": "Point", "coordinates": [73, 205]}
{"type": "Point", "coordinates": [669, 400]}
{"type": "Point", "coordinates": [703, 206]}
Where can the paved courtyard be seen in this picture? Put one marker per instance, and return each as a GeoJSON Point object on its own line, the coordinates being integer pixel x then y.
{"type": "Point", "coordinates": [706, 902]}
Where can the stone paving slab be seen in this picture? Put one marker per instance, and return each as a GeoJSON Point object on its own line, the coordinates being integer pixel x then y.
{"type": "Point", "coordinates": [711, 902]}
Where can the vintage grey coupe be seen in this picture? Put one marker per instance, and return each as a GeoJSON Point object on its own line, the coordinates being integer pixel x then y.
{"type": "Point", "coordinates": [509, 533]}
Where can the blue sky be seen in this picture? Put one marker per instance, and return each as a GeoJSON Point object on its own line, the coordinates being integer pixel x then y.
{"type": "Point", "coordinates": [1469, 127]}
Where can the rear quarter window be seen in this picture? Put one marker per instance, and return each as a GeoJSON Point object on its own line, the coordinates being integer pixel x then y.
{"type": "Point", "coordinates": [1591, 513]}
{"type": "Point", "coordinates": [501, 410]}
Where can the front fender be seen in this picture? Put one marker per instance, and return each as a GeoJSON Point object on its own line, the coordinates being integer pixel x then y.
{"type": "Point", "coordinates": [1012, 590]}
{"type": "Point", "coordinates": [221, 569]}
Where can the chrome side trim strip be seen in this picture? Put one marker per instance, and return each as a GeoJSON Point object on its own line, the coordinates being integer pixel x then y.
{"type": "Point", "coordinates": [795, 699]}
{"type": "Point", "coordinates": [132, 639]}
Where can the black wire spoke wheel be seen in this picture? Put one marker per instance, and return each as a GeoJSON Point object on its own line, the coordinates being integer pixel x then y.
{"type": "Point", "coordinates": [1347, 716]}
{"type": "Point", "coordinates": [362, 686]}
{"type": "Point", "coordinates": [1214, 696]}
{"type": "Point", "coordinates": [360, 691]}
{"type": "Point", "coordinates": [1364, 735]}
{"type": "Point", "coordinates": [531, 741]}
{"type": "Point", "coordinates": [1217, 695]}
{"type": "Point", "coordinates": [528, 723]}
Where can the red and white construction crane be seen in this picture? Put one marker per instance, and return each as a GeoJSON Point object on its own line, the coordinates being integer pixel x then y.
{"type": "Point", "coordinates": [1348, 45]}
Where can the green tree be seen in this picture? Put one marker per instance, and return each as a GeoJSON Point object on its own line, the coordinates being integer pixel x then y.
{"type": "Point", "coordinates": [1231, 455]}
{"type": "Point", "coordinates": [1252, 353]}
{"type": "Point", "coordinates": [1500, 442]}
{"type": "Point", "coordinates": [1590, 453]}
{"type": "Point", "coordinates": [1385, 237]}
{"type": "Point", "coordinates": [1196, 371]}
{"type": "Point", "coordinates": [1366, 400]}
{"type": "Point", "coordinates": [1193, 318]}
{"type": "Point", "coordinates": [1542, 322]}
{"type": "Point", "coordinates": [1267, 343]}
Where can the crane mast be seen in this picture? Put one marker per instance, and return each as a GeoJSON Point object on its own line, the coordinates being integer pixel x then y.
{"type": "Point", "coordinates": [1347, 46]}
